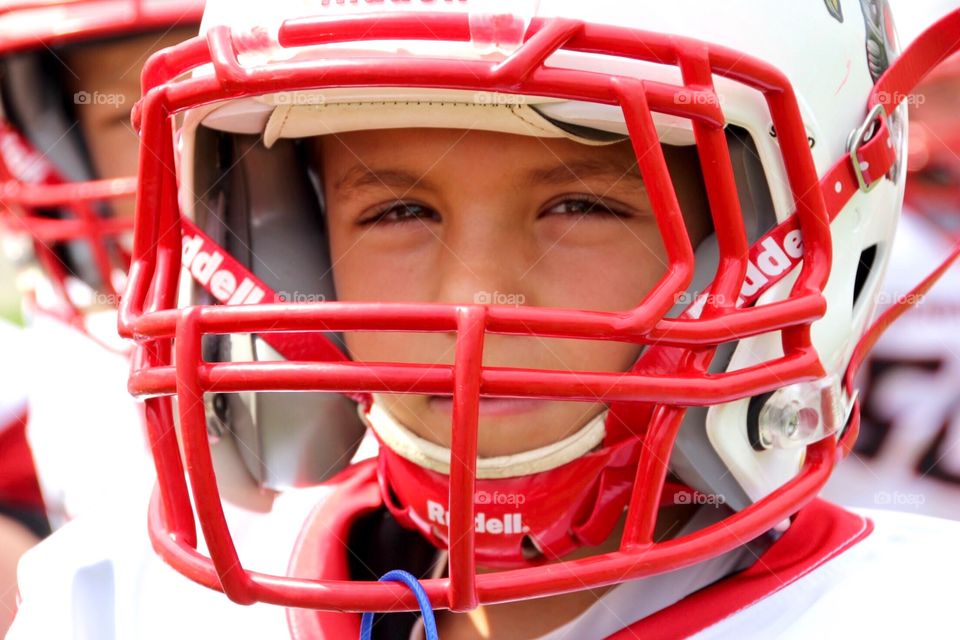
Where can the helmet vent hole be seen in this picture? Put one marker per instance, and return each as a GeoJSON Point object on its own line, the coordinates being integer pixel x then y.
{"type": "Point", "coordinates": [864, 268]}
{"type": "Point", "coordinates": [531, 552]}
{"type": "Point", "coordinates": [394, 501]}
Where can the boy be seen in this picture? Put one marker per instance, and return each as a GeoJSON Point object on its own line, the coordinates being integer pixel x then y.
{"type": "Point", "coordinates": [602, 402]}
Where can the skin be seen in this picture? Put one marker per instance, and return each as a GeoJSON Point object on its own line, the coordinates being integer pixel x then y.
{"type": "Point", "coordinates": [569, 225]}
{"type": "Point", "coordinates": [111, 70]}
{"type": "Point", "coordinates": [549, 221]}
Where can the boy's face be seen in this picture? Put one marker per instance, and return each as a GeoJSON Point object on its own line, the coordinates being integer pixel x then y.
{"type": "Point", "coordinates": [453, 216]}
{"type": "Point", "coordinates": [104, 82]}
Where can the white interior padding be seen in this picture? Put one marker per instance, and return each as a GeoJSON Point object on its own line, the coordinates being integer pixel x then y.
{"type": "Point", "coordinates": [432, 456]}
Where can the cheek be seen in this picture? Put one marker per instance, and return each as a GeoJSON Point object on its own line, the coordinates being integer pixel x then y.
{"type": "Point", "coordinates": [366, 268]}
{"type": "Point", "coordinates": [417, 348]}
{"type": "Point", "coordinates": [549, 354]}
{"type": "Point", "coordinates": [580, 355]}
{"type": "Point", "coordinates": [612, 272]}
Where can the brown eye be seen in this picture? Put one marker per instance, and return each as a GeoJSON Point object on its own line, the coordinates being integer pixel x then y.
{"type": "Point", "coordinates": [401, 212]}
{"type": "Point", "coordinates": [584, 207]}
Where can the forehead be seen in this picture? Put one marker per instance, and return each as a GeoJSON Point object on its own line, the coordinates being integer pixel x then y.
{"type": "Point", "coordinates": [438, 146]}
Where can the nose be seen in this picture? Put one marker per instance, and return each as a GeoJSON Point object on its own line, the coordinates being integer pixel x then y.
{"type": "Point", "coordinates": [484, 261]}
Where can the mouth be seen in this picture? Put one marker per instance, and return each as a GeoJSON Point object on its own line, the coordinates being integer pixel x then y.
{"type": "Point", "coordinates": [490, 406]}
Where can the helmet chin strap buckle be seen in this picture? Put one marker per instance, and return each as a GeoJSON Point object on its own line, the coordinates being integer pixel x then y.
{"type": "Point", "coordinates": [804, 413]}
{"type": "Point", "coordinates": [871, 127]}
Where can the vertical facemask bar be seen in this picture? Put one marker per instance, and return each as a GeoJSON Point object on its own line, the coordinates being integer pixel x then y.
{"type": "Point", "coordinates": [810, 207]}
{"type": "Point", "coordinates": [154, 270]}
{"type": "Point", "coordinates": [468, 359]}
{"type": "Point", "coordinates": [148, 286]}
{"type": "Point", "coordinates": [235, 581]}
{"type": "Point", "coordinates": [721, 186]}
{"type": "Point", "coordinates": [177, 512]}
{"type": "Point", "coordinates": [632, 96]}
{"type": "Point", "coordinates": [641, 514]}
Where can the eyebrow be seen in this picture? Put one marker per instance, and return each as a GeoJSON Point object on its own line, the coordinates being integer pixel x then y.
{"type": "Point", "coordinates": [361, 177]}
{"type": "Point", "coordinates": [578, 171]}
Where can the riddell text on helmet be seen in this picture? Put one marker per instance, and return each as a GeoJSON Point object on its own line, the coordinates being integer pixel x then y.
{"type": "Point", "coordinates": [206, 264]}
{"type": "Point", "coordinates": [509, 524]}
{"type": "Point", "coordinates": [770, 260]}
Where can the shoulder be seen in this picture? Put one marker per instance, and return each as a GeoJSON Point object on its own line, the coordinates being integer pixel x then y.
{"type": "Point", "coordinates": [898, 580]}
{"type": "Point", "coordinates": [98, 577]}
{"type": "Point", "coordinates": [68, 582]}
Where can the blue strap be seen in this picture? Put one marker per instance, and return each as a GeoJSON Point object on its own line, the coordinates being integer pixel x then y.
{"type": "Point", "coordinates": [429, 623]}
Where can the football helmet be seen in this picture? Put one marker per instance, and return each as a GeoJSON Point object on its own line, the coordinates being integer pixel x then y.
{"type": "Point", "coordinates": [746, 338]}
{"type": "Point", "coordinates": [56, 211]}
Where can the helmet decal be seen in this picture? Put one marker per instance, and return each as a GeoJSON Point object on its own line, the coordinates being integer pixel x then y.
{"type": "Point", "coordinates": [881, 40]}
{"type": "Point", "coordinates": [835, 9]}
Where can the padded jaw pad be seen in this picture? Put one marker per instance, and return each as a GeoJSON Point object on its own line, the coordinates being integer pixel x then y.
{"type": "Point", "coordinates": [266, 213]}
{"type": "Point", "coordinates": [694, 459]}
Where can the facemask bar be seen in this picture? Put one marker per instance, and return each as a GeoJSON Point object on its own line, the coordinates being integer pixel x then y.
{"type": "Point", "coordinates": [149, 311]}
{"type": "Point", "coordinates": [81, 223]}
{"type": "Point", "coordinates": [30, 183]}
{"type": "Point", "coordinates": [90, 19]}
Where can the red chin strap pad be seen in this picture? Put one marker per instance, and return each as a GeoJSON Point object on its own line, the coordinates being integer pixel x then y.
{"type": "Point", "coordinates": [574, 505]}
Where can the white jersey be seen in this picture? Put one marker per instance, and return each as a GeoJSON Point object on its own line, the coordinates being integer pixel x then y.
{"type": "Point", "coordinates": [99, 578]}
{"type": "Point", "coordinates": [85, 431]}
{"type": "Point", "coordinates": [908, 454]}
